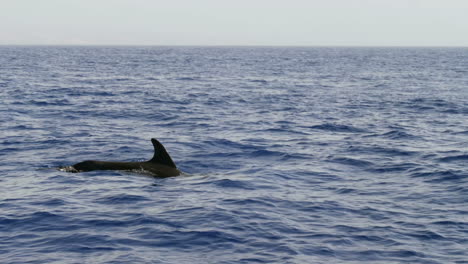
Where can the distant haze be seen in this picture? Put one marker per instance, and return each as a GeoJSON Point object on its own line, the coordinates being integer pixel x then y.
{"type": "Point", "coordinates": [235, 22]}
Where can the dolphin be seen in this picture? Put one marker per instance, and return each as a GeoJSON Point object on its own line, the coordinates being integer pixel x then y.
{"type": "Point", "coordinates": [161, 165]}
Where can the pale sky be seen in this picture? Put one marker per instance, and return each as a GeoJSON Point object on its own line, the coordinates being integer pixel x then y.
{"type": "Point", "coordinates": [235, 22]}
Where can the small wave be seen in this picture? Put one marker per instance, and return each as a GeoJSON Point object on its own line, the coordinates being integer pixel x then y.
{"type": "Point", "coordinates": [187, 79]}
{"type": "Point", "coordinates": [284, 130]}
{"type": "Point", "coordinates": [441, 176]}
{"type": "Point", "coordinates": [49, 202]}
{"type": "Point", "coordinates": [227, 183]}
{"type": "Point", "coordinates": [378, 254]}
{"type": "Point", "coordinates": [60, 102]}
{"type": "Point", "coordinates": [131, 92]}
{"type": "Point", "coordinates": [222, 143]}
{"type": "Point", "coordinates": [465, 132]}
{"type": "Point", "coordinates": [36, 221]}
{"type": "Point", "coordinates": [463, 157]}
{"type": "Point", "coordinates": [401, 167]}
{"type": "Point", "coordinates": [122, 79]}
{"type": "Point", "coordinates": [395, 134]}
{"type": "Point", "coordinates": [121, 199]}
{"type": "Point", "coordinates": [259, 81]}
{"type": "Point", "coordinates": [252, 202]}
{"type": "Point", "coordinates": [345, 190]}
{"type": "Point", "coordinates": [458, 224]}
{"type": "Point", "coordinates": [426, 235]}
{"type": "Point", "coordinates": [96, 93]}
{"type": "Point", "coordinates": [381, 150]}
{"type": "Point", "coordinates": [23, 127]}
{"type": "Point", "coordinates": [438, 105]}
{"type": "Point", "coordinates": [338, 128]}
{"type": "Point", "coordinates": [352, 162]}
{"type": "Point", "coordinates": [79, 242]}
{"type": "Point", "coordinates": [277, 155]}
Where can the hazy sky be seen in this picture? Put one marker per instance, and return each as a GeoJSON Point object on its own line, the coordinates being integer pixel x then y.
{"type": "Point", "coordinates": [235, 22]}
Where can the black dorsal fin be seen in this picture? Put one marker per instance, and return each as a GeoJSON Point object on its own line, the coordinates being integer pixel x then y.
{"type": "Point", "coordinates": [160, 154]}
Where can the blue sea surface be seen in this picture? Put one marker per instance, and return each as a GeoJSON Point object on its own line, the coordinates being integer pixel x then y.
{"type": "Point", "coordinates": [291, 155]}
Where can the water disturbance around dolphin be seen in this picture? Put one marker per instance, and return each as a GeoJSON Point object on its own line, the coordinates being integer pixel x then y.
{"type": "Point", "coordinates": [161, 165]}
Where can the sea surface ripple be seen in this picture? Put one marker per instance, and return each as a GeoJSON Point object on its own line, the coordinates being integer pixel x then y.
{"type": "Point", "coordinates": [291, 155]}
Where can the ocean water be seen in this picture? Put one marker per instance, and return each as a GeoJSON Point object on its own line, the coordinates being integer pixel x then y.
{"type": "Point", "coordinates": [291, 155]}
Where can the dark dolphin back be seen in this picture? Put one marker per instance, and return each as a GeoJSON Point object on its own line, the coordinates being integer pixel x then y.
{"type": "Point", "coordinates": [160, 154]}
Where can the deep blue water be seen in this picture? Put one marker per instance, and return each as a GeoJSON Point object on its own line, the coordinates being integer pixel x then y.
{"type": "Point", "coordinates": [292, 155]}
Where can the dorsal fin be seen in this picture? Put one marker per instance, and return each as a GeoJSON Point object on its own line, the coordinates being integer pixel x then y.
{"type": "Point", "coordinates": [160, 154]}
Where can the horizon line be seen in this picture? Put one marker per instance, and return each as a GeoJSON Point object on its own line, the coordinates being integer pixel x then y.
{"type": "Point", "coordinates": [238, 45]}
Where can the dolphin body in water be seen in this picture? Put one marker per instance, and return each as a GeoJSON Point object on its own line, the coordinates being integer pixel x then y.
{"type": "Point", "coordinates": [161, 165]}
